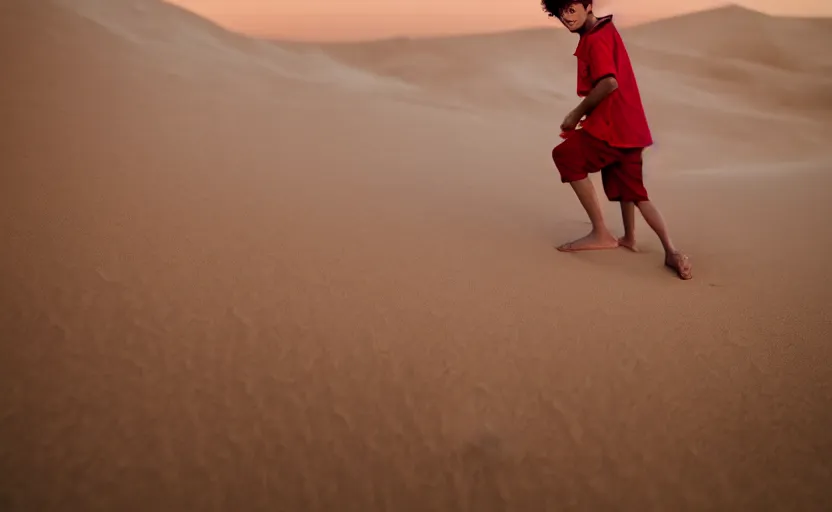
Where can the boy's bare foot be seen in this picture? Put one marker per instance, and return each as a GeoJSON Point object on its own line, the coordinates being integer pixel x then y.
{"type": "Point", "coordinates": [628, 243]}
{"type": "Point", "coordinates": [591, 242]}
{"type": "Point", "coordinates": [680, 263]}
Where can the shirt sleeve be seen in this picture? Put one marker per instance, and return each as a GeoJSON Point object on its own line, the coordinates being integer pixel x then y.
{"type": "Point", "coordinates": [601, 59]}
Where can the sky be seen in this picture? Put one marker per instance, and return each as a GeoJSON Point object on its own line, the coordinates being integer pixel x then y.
{"type": "Point", "coordinates": [328, 20]}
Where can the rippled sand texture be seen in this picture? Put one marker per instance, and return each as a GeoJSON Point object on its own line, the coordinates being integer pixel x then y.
{"type": "Point", "coordinates": [245, 276]}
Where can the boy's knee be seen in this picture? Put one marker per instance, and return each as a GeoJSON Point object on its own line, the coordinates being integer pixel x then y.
{"type": "Point", "coordinates": [620, 189]}
{"type": "Point", "coordinates": [637, 196]}
{"type": "Point", "coordinates": [559, 155]}
{"type": "Point", "coordinates": [568, 162]}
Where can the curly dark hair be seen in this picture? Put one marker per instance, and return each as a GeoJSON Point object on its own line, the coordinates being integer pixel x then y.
{"type": "Point", "coordinates": [554, 8]}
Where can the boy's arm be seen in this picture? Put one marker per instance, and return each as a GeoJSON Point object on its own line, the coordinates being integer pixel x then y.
{"type": "Point", "coordinates": [602, 89]}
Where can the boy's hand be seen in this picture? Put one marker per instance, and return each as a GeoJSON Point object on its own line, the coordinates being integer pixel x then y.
{"type": "Point", "coordinates": [570, 122]}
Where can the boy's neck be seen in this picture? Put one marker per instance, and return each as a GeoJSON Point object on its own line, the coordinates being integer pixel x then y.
{"type": "Point", "coordinates": [591, 21]}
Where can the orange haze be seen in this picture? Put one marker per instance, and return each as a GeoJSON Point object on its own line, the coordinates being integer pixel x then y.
{"type": "Point", "coordinates": [369, 19]}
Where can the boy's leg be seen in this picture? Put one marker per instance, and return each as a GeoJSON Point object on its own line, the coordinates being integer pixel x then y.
{"type": "Point", "coordinates": [656, 222]}
{"type": "Point", "coordinates": [573, 157]}
{"type": "Point", "coordinates": [600, 237]}
{"type": "Point", "coordinates": [627, 185]}
{"type": "Point", "coordinates": [615, 187]}
{"type": "Point", "coordinates": [628, 217]}
{"type": "Point", "coordinates": [673, 258]}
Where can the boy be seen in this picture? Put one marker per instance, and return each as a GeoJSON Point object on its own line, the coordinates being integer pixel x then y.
{"type": "Point", "coordinates": [611, 138]}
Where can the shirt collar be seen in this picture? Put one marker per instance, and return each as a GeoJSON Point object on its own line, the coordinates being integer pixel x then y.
{"type": "Point", "coordinates": [602, 21]}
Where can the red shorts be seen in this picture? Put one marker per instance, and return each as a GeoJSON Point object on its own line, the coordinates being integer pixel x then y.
{"type": "Point", "coordinates": [621, 168]}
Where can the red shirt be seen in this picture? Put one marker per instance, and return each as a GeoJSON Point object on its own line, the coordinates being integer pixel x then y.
{"type": "Point", "coordinates": [619, 119]}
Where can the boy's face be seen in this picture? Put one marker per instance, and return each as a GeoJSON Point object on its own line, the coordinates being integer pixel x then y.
{"type": "Point", "coordinates": [574, 16]}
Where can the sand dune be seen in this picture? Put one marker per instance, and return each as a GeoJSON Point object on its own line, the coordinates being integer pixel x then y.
{"type": "Point", "coordinates": [240, 275]}
{"type": "Point", "coordinates": [739, 34]}
{"type": "Point", "coordinates": [779, 64]}
{"type": "Point", "coordinates": [182, 44]}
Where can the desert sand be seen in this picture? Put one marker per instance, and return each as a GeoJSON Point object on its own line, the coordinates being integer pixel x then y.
{"type": "Point", "coordinates": [250, 275]}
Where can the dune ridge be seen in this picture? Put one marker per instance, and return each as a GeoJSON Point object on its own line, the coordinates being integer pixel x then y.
{"type": "Point", "coordinates": [246, 275]}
